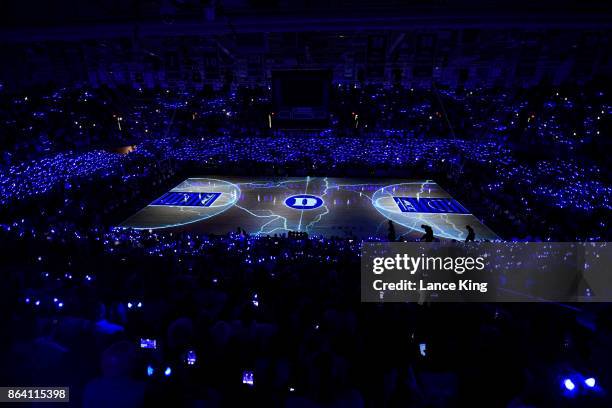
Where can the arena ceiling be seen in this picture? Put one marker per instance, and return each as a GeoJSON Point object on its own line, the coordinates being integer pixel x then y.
{"type": "Point", "coordinates": [210, 43]}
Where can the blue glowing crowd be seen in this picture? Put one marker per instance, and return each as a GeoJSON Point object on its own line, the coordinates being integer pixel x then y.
{"type": "Point", "coordinates": [140, 318]}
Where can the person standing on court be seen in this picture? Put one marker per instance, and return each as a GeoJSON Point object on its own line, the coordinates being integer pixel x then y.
{"type": "Point", "coordinates": [471, 236]}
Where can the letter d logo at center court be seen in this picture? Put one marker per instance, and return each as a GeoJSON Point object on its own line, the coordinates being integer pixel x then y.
{"type": "Point", "coordinates": [304, 202]}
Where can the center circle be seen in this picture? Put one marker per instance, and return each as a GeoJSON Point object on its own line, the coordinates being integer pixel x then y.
{"type": "Point", "coordinates": [304, 202]}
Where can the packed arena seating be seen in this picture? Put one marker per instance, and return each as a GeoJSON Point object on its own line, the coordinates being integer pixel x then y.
{"type": "Point", "coordinates": [105, 106]}
{"type": "Point", "coordinates": [548, 145]}
{"type": "Point", "coordinates": [275, 320]}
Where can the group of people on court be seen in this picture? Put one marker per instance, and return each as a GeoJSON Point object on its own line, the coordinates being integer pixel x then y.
{"type": "Point", "coordinates": [428, 236]}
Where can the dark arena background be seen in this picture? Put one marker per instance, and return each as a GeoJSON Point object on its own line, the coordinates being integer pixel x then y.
{"type": "Point", "coordinates": [300, 99]}
{"type": "Point", "coordinates": [186, 187]}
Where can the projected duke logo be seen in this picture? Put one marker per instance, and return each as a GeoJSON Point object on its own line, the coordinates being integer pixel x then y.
{"type": "Point", "coordinates": [187, 199]}
{"type": "Point", "coordinates": [304, 202]}
{"type": "Point", "coordinates": [429, 205]}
